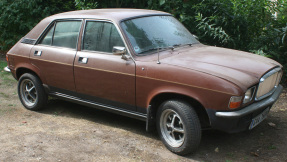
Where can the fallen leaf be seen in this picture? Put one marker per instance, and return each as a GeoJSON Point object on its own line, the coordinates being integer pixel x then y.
{"type": "Point", "coordinates": [24, 122]}
{"type": "Point", "coordinates": [254, 154]}
{"type": "Point", "coordinates": [217, 149]}
{"type": "Point", "coordinates": [272, 124]}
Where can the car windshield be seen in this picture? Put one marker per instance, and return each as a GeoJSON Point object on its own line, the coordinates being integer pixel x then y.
{"type": "Point", "coordinates": [147, 34]}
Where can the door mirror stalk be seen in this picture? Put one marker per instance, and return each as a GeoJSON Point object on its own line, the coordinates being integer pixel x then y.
{"type": "Point", "coordinates": [117, 50]}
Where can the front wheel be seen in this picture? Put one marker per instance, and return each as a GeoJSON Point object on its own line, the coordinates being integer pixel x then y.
{"type": "Point", "coordinates": [178, 126]}
{"type": "Point", "coordinates": [31, 92]}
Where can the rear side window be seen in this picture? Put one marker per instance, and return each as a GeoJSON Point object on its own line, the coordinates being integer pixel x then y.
{"type": "Point", "coordinates": [47, 40]}
{"type": "Point", "coordinates": [63, 34]}
{"type": "Point", "coordinates": [101, 36]}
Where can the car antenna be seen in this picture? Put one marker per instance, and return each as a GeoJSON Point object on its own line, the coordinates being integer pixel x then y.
{"type": "Point", "coordinates": [158, 56]}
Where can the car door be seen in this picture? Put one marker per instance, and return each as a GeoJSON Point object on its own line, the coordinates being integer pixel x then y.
{"type": "Point", "coordinates": [104, 77]}
{"type": "Point", "coordinates": [54, 54]}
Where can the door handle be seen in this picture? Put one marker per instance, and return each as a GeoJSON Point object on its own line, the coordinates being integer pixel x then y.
{"type": "Point", "coordinates": [37, 53]}
{"type": "Point", "coordinates": [83, 60]}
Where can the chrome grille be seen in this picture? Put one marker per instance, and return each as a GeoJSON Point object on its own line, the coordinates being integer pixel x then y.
{"type": "Point", "coordinates": [268, 83]}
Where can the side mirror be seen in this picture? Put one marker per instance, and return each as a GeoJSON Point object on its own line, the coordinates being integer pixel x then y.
{"type": "Point", "coordinates": [125, 57]}
{"type": "Point", "coordinates": [117, 50]}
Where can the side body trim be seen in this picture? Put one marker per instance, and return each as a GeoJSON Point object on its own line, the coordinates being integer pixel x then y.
{"type": "Point", "coordinates": [186, 85]}
{"type": "Point", "coordinates": [100, 106]}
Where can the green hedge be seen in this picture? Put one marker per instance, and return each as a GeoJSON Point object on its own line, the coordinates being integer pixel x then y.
{"type": "Point", "coordinates": [246, 25]}
{"type": "Point", "coordinates": [18, 17]}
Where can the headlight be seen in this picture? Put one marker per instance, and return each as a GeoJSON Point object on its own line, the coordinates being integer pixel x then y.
{"type": "Point", "coordinates": [249, 95]}
{"type": "Point", "coordinates": [279, 76]}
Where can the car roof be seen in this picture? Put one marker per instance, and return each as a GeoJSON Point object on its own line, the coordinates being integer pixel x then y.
{"type": "Point", "coordinates": [115, 15]}
{"type": "Point", "coordinates": [111, 14]}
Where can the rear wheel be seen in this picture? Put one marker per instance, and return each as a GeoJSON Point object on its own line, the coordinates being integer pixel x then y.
{"type": "Point", "coordinates": [31, 92]}
{"type": "Point", "coordinates": [178, 126]}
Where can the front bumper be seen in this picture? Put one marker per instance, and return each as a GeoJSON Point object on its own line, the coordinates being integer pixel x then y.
{"type": "Point", "coordinates": [237, 121]}
{"type": "Point", "coordinates": [7, 69]}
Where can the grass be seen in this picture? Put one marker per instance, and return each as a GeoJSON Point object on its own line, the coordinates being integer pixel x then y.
{"type": "Point", "coordinates": [231, 155]}
{"type": "Point", "coordinates": [6, 79]}
{"type": "Point", "coordinates": [4, 95]}
{"type": "Point", "coordinates": [271, 147]}
{"type": "Point", "coordinates": [5, 111]}
{"type": "Point", "coordinates": [5, 76]}
{"type": "Point", "coordinates": [3, 64]}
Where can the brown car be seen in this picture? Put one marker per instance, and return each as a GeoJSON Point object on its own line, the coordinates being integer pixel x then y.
{"type": "Point", "coordinates": [144, 64]}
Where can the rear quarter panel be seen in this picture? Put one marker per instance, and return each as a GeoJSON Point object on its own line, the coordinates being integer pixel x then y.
{"type": "Point", "coordinates": [19, 58]}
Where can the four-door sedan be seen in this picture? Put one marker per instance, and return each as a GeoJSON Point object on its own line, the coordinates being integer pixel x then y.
{"type": "Point", "coordinates": [144, 64]}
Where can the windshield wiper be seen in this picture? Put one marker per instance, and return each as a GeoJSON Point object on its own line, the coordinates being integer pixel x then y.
{"type": "Point", "coordinates": [151, 49]}
{"type": "Point", "coordinates": [190, 44]}
{"type": "Point", "coordinates": [163, 48]}
{"type": "Point", "coordinates": [158, 48]}
{"type": "Point", "coordinates": [178, 45]}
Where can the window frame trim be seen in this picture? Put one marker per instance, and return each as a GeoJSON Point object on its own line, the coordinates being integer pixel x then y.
{"type": "Point", "coordinates": [53, 23]}
{"type": "Point", "coordinates": [142, 16]}
{"type": "Point", "coordinates": [105, 21]}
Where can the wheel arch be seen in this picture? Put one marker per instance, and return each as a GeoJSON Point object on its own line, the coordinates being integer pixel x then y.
{"type": "Point", "coordinates": [157, 100]}
{"type": "Point", "coordinates": [28, 69]}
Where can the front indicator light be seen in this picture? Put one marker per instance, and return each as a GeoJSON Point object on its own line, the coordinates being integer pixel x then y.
{"type": "Point", "coordinates": [235, 102]}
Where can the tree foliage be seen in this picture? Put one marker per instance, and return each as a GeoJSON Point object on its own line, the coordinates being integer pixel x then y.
{"type": "Point", "coordinates": [18, 17]}
{"type": "Point", "coordinates": [86, 4]}
{"type": "Point", "coordinates": [248, 25]}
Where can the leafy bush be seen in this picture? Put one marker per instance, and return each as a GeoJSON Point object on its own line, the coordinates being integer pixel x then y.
{"type": "Point", "coordinates": [20, 16]}
{"type": "Point", "coordinates": [246, 25]}
{"type": "Point", "coordinates": [85, 4]}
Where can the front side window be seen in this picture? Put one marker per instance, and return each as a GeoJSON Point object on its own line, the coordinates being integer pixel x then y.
{"type": "Point", "coordinates": [63, 34]}
{"type": "Point", "coordinates": [101, 36]}
{"type": "Point", "coordinates": [146, 34]}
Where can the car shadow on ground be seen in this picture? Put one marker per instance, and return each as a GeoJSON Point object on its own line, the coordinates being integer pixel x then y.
{"type": "Point", "coordinates": [214, 144]}
{"type": "Point", "coordinates": [68, 109]}
{"type": "Point", "coordinates": [261, 143]}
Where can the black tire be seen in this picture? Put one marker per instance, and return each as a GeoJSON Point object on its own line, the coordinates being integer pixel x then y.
{"type": "Point", "coordinates": [183, 135]}
{"type": "Point", "coordinates": [31, 92]}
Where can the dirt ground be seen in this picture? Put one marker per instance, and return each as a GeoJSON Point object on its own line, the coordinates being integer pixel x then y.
{"type": "Point", "coordinates": [69, 132]}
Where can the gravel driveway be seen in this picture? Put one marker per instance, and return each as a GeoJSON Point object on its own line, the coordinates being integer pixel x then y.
{"type": "Point", "coordinates": [70, 132]}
